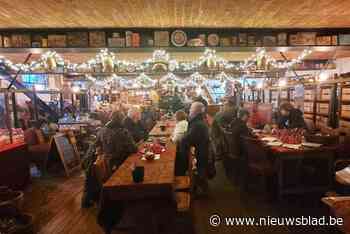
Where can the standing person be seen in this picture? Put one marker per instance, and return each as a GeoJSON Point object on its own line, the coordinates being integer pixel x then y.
{"type": "Point", "coordinates": [115, 140]}
{"type": "Point", "coordinates": [181, 126]}
{"type": "Point", "coordinates": [221, 122]}
{"type": "Point", "coordinates": [290, 117]}
{"type": "Point", "coordinates": [197, 136]}
{"type": "Point", "coordinates": [133, 123]}
{"type": "Point", "coordinates": [202, 100]}
{"type": "Point", "coordinates": [239, 128]}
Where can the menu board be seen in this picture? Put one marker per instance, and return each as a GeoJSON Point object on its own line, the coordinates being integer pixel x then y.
{"type": "Point", "coordinates": [67, 153]}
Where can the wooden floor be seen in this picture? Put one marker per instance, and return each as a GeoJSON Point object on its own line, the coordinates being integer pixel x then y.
{"type": "Point", "coordinates": [55, 204]}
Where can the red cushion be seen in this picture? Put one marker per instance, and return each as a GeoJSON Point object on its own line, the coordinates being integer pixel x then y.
{"type": "Point", "coordinates": [30, 136]}
{"type": "Point", "coordinates": [39, 149]}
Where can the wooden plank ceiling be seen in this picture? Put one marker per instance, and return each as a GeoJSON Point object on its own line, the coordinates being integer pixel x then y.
{"type": "Point", "coordinates": [174, 13]}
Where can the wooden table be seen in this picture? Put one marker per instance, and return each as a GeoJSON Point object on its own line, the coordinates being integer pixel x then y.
{"type": "Point", "coordinates": [158, 180]}
{"type": "Point", "coordinates": [291, 166]}
{"type": "Point", "coordinates": [14, 166]}
{"type": "Point", "coordinates": [156, 131]}
{"type": "Point", "coordinates": [150, 202]}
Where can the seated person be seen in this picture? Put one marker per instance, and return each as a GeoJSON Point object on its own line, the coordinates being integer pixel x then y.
{"type": "Point", "coordinates": [133, 124]}
{"type": "Point", "coordinates": [290, 117]}
{"type": "Point", "coordinates": [181, 126]}
{"type": "Point", "coordinates": [116, 141]}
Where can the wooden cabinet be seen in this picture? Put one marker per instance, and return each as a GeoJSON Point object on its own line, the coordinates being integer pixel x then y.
{"type": "Point", "coordinates": [322, 108]}
{"type": "Point", "coordinates": [325, 94]}
{"type": "Point", "coordinates": [309, 107]}
{"type": "Point", "coordinates": [321, 121]}
{"type": "Point", "coordinates": [345, 96]}
{"type": "Point", "coordinates": [345, 111]}
{"type": "Point", "coordinates": [309, 94]}
{"type": "Point", "coordinates": [344, 107]}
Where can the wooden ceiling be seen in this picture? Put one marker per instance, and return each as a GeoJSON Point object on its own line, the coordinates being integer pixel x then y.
{"type": "Point", "coordinates": [174, 13]}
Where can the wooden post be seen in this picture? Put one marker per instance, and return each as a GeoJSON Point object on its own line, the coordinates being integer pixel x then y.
{"type": "Point", "coordinates": [61, 104]}
{"type": "Point", "coordinates": [14, 108]}
{"type": "Point", "coordinates": [36, 114]}
{"type": "Point", "coordinates": [7, 115]}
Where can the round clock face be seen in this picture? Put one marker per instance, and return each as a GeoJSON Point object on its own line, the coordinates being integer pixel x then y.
{"type": "Point", "coordinates": [131, 68]}
{"type": "Point", "coordinates": [213, 40]}
{"type": "Point", "coordinates": [178, 38]}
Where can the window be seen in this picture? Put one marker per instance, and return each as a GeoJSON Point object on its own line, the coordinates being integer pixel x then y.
{"type": "Point", "coordinates": [216, 90]}
{"type": "Point", "coordinates": [39, 80]}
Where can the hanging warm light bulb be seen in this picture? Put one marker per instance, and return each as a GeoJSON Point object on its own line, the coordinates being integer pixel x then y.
{"type": "Point", "coordinates": [76, 89]}
{"type": "Point", "coordinates": [282, 82]}
{"type": "Point", "coordinates": [323, 76]}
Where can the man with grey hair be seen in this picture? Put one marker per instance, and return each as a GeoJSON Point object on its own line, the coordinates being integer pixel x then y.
{"type": "Point", "coordinates": [133, 123]}
{"type": "Point", "coordinates": [197, 136]}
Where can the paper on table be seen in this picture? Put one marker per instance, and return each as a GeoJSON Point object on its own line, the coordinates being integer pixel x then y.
{"type": "Point", "coordinates": [292, 146]}
{"type": "Point", "coordinates": [156, 157]}
{"type": "Point", "coordinates": [311, 144]}
{"type": "Point", "coordinates": [274, 143]}
{"type": "Point", "coordinates": [269, 139]}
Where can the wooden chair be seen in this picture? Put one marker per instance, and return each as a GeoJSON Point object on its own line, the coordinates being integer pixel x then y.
{"type": "Point", "coordinates": [37, 146]}
{"type": "Point", "coordinates": [257, 161]}
{"type": "Point", "coordinates": [183, 201]}
{"type": "Point", "coordinates": [339, 207]}
{"type": "Point", "coordinates": [184, 183]}
{"type": "Point", "coordinates": [101, 169]}
{"type": "Point", "coordinates": [184, 212]}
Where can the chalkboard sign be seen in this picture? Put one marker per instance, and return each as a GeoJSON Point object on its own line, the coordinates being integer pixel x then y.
{"type": "Point", "coordinates": [67, 153]}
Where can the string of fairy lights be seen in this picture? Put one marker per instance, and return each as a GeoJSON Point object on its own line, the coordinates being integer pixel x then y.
{"type": "Point", "coordinates": [107, 61]}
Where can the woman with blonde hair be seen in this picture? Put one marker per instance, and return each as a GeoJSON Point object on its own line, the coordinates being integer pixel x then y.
{"type": "Point", "coordinates": [181, 126]}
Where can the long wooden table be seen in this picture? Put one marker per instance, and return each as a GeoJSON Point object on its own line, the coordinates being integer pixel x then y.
{"type": "Point", "coordinates": [158, 179]}
{"type": "Point", "coordinates": [290, 166]}
{"type": "Point", "coordinates": [148, 201]}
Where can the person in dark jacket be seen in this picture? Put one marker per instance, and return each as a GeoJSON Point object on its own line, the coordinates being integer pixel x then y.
{"type": "Point", "coordinates": [239, 129]}
{"type": "Point", "coordinates": [115, 140]}
{"type": "Point", "coordinates": [197, 136]}
{"type": "Point", "coordinates": [290, 117]}
{"type": "Point", "coordinates": [92, 189]}
{"type": "Point", "coordinates": [221, 122]}
{"type": "Point", "coordinates": [133, 123]}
